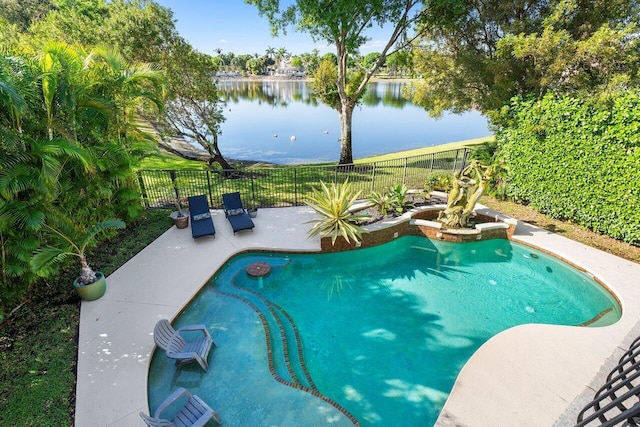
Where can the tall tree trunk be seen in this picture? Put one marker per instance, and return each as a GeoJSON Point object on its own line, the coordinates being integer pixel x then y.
{"type": "Point", "coordinates": [217, 158]}
{"type": "Point", "coordinates": [346, 116]}
{"type": "Point", "coordinates": [214, 152]}
{"type": "Point", "coordinates": [346, 106]}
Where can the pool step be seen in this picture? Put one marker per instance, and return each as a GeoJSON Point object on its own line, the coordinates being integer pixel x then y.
{"type": "Point", "coordinates": [286, 361]}
{"type": "Point", "coordinates": [294, 348]}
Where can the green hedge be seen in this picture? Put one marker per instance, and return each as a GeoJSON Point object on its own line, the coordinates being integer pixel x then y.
{"type": "Point", "coordinates": [578, 160]}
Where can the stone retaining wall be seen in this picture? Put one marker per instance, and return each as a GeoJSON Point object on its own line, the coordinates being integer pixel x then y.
{"type": "Point", "coordinates": [406, 225]}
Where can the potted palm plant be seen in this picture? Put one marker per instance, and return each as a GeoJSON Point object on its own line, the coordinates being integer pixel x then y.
{"type": "Point", "coordinates": [252, 210]}
{"type": "Point", "coordinates": [180, 217]}
{"type": "Point", "coordinates": [73, 240]}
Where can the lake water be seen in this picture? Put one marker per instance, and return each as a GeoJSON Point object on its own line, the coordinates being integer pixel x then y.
{"type": "Point", "coordinates": [263, 116]}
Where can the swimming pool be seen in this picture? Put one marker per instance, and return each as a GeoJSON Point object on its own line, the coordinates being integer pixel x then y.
{"type": "Point", "coordinates": [384, 331]}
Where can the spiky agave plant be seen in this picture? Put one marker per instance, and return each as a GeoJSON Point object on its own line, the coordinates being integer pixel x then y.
{"type": "Point", "coordinates": [333, 204]}
{"type": "Point", "coordinates": [73, 241]}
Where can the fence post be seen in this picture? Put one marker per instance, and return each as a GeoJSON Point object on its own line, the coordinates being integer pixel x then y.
{"type": "Point", "coordinates": [455, 162]}
{"type": "Point", "coordinates": [209, 186]}
{"type": "Point", "coordinates": [433, 157]}
{"type": "Point", "coordinates": [404, 172]}
{"type": "Point", "coordinates": [253, 188]}
{"type": "Point", "coordinates": [464, 158]}
{"type": "Point", "coordinates": [373, 177]}
{"type": "Point", "coordinates": [143, 190]}
{"type": "Point", "coordinates": [172, 175]}
{"type": "Point", "coordinates": [295, 186]}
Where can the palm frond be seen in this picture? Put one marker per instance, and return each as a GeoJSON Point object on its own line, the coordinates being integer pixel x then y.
{"type": "Point", "coordinates": [98, 228]}
{"type": "Point", "coordinates": [46, 256]}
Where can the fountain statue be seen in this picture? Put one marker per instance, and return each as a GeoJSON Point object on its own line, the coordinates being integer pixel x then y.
{"type": "Point", "coordinates": [468, 186]}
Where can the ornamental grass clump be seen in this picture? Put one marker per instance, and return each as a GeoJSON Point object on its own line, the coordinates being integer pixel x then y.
{"type": "Point", "coordinates": [334, 204]}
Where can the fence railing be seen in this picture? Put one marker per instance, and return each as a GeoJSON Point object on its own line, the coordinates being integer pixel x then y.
{"type": "Point", "coordinates": [289, 186]}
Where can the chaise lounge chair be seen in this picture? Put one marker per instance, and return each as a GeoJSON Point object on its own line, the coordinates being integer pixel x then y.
{"type": "Point", "coordinates": [201, 221]}
{"type": "Point", "coordinates": [193, 413]}
{"type": "Point", "coordinates": [236, 213]}
{"type": "Point", "coordinates": [175, 347]}
{"type": "Point", "coordinates": [616, 402]}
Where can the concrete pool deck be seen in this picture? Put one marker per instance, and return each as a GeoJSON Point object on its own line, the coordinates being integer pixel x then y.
{"type": "Point", "coordinates": [530, 375]}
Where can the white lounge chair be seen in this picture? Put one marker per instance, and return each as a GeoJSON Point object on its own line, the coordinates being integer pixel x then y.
{"type": "Point", "coordinates": [195, 412]}
{"type": "Point", "coordinates": [175, 347]}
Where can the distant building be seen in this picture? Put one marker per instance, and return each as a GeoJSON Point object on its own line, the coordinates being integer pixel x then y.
{"type": "Point", "coordinates": [286, 70]}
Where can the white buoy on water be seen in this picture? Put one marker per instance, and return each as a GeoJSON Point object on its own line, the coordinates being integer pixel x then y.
{"type": "Point", "coordinates": [293, 138]}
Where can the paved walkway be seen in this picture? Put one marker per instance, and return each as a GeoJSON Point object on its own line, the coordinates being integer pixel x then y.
{"type": "Point", "coordinates": [526, 376]}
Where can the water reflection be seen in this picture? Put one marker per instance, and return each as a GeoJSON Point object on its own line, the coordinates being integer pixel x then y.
{"type": "Point", "coordinates": [277, 93]}
{"type": "Point", "coordinates": [280, 121]}
{"type": "Point", "coordinates": [280, 93]}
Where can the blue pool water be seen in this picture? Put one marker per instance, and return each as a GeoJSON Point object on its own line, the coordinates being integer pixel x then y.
{"type": "Point", "coordinates": [384, 331]}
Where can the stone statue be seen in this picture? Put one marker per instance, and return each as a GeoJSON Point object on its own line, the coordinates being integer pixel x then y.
{"type": "Point", "coordinates": [468, 186]}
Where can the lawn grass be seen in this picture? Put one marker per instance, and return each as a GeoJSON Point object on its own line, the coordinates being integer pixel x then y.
{"type": "Point", "coordinates": [163, 160]}
{"type": "Point", "coordinates": [469, 143]}
{"type": "Point", "coordinates": [39, 339]}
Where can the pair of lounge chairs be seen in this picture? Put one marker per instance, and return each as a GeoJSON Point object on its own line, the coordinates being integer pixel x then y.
{"type": "Point", "coordinates": [193, 412]}
{"type": "Point", "coordinates": [202, 223]}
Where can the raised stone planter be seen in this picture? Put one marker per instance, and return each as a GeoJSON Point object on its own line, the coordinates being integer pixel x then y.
{"type": "Point", "coordinates": [420, 222]}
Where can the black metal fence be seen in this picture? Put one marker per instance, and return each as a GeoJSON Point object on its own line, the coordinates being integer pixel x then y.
{"type": "Point", "coordinates": [289, 186]}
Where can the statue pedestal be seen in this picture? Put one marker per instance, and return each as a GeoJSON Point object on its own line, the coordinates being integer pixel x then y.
{"type": "Point", "coordinates": [485, 228]}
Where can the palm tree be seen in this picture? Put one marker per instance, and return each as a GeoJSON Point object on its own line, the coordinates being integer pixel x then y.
{"type": "Point", "coordinates": [12, 100]}
{"type": "Point", "coordinates": [131, 86]}
{"type": "Point", "coordinates": [74, 153]}
{"type": "Point", "coordinates": [281, 53]}
{"type": "Point", "coordinates": [60, 65]}
{"type": "Point", "coordinates": [220, 55]}
{"type": "Point", "coordinates": [270, 52]}
{"type": "Point", "coordinates": [30, 180]}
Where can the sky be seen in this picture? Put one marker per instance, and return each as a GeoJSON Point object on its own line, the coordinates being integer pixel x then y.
{"type": "Point", "coordinates": [234, 26]}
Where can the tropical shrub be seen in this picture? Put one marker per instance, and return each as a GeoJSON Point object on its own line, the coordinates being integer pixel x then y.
{"type": "Point", "coordinates": [380, 201]}
{"type": "Point", "coordinates": [334, 204]}
{"type": "Point", "coordinates": [398, 198]}
{"type": "Point", "coordinates": [438, 181]}
{"type": "Point", "coordinates": [577, 159]}
{"type": "Point", "coordinates": [68, 143]}
{"type": "Point", "coordinates": [488, 154]}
